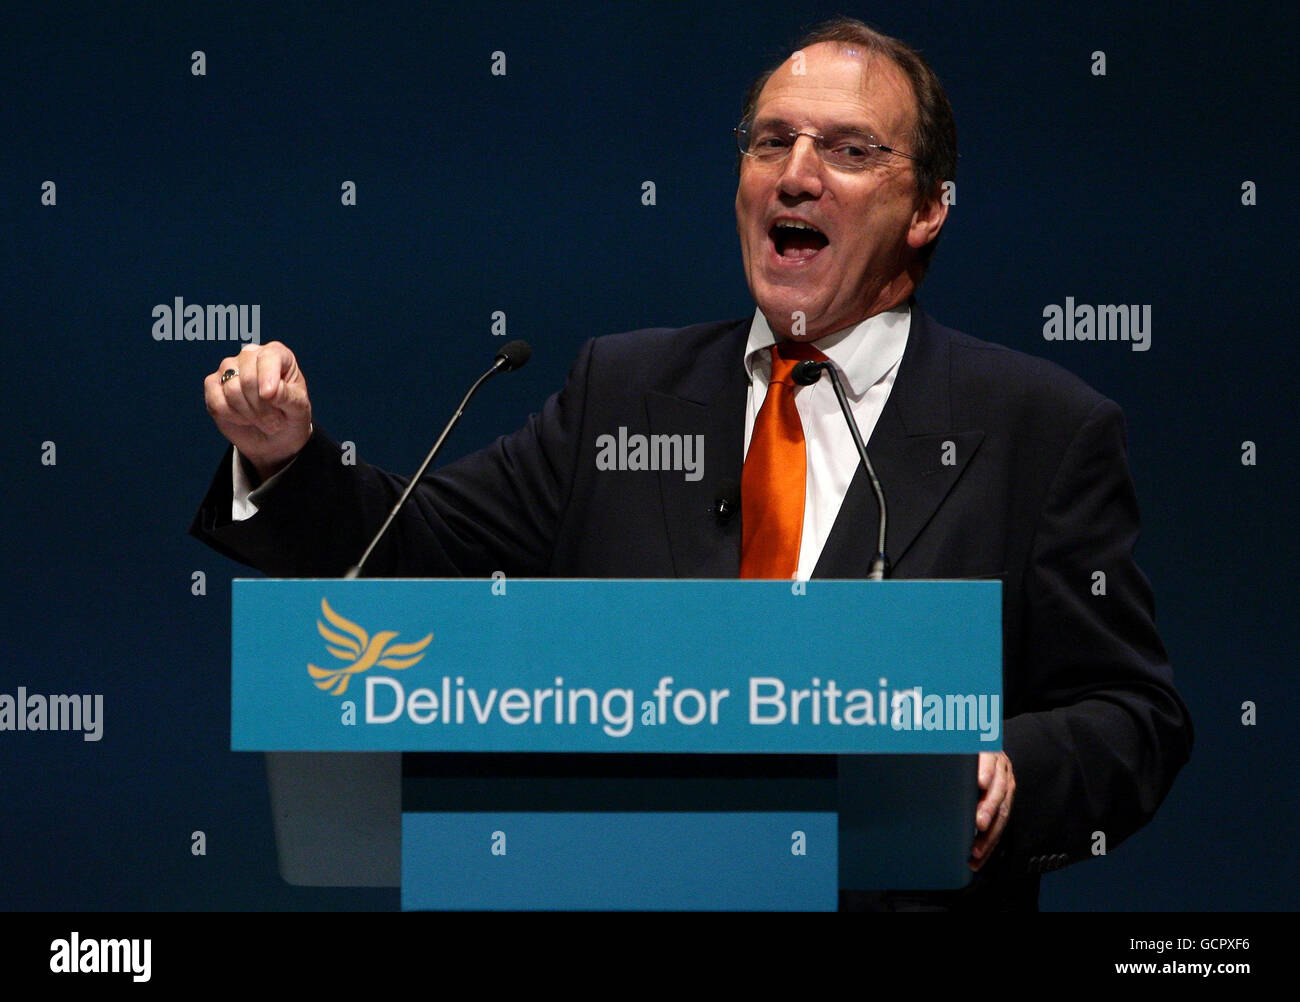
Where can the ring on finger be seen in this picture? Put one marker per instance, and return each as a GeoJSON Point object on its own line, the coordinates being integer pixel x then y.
{"type": "Point", "coordinates": [228, 375]}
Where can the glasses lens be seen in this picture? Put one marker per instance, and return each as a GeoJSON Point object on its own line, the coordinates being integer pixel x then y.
{"type": "Point", "coordinates": [763, 141]}
{"type": "Point", "coordinates": [851, 151]}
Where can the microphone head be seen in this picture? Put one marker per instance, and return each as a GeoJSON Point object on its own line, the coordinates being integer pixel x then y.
{"type": "Point", "coordinates": [515, 355]}
{"type": "Point", "coordinates": [807, 372]}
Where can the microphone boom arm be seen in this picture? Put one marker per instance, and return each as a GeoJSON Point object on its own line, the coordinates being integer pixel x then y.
{"type": "Point", "coordinates": [806, 373]}
{"type": "Point", "coordinates": [504, 362]}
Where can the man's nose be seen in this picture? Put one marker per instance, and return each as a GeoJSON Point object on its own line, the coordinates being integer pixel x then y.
{"type": "Point", "coordinates": [802, 173]}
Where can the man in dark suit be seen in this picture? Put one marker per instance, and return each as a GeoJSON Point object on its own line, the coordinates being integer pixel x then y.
{"type": "Point", "coordinates": [994, 464]}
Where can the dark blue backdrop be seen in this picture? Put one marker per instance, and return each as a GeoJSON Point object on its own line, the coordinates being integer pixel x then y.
{"type": "Point", "coordinates": [522, 193]}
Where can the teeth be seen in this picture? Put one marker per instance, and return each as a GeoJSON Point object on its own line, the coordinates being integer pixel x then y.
{"type": "Point", "coordinates": [794, 225]}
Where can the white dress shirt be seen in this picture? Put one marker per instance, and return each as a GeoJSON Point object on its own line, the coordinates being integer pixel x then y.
{"type": "Point", "coordinates": [866, 357]}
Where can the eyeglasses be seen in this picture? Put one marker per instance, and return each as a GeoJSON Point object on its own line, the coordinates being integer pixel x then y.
{"type": "Point", "coordinates": [771, 142]}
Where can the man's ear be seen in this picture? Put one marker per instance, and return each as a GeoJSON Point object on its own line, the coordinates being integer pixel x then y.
{"type": "Point", "coordinates": [927, 219]}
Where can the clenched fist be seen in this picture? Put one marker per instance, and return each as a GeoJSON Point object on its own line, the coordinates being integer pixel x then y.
{"type": "Point", "coordinates": [258, 399]}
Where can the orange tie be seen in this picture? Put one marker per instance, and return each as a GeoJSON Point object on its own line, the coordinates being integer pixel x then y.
{"type": "Point", "coordinates": [775, 471]}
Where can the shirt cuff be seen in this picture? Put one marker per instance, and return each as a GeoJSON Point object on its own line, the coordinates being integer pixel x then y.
{"type": "Point", "coordinates": [243, 497]}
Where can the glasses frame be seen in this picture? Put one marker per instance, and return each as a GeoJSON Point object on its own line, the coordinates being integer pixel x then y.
{"type": "Point", "coordinates": [819, 144]}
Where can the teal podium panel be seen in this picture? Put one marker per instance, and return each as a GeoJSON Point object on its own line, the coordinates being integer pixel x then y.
{"type": "Point", "coordinates": [820, 667]}
{"type": "Point", "coordinates": [649, 745]}
{"type": "Point", "coordinates": [620, 861]}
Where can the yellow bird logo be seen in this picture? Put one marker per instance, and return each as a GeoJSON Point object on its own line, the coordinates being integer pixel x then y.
{"type": "Point", "coordinates": [349, 642]}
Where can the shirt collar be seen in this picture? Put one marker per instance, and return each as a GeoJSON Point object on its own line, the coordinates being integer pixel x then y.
{"type": "Point", "coordinates": [862, 354]}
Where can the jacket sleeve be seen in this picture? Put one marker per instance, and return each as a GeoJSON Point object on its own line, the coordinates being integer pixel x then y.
{"type": "Point", "coordinates": [1106, 732]}
{"type": "Point", "coordinates": [498, 509]}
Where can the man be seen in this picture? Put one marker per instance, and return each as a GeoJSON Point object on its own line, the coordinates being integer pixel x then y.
{"type": "Point", "coordinates": [994, 464]}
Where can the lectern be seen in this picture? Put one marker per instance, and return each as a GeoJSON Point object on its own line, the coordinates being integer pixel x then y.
{"type": "Point", "coordinates": [599, 744]}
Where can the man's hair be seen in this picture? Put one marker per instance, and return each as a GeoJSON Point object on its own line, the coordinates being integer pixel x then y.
{"type": "Point", "coordinates": [933, 139]}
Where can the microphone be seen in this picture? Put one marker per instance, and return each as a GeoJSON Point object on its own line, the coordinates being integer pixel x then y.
{"type": "Point", "coordinates": [805, 374]}
{"type": "Point", "coordinates": [511, 357]}
{"type": "Point", "coordinates": [727, 500]}
{"type": "Point", "coordinates": [514, 356]}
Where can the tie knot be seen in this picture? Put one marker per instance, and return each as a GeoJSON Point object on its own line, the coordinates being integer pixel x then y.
{"type": "Point", "coordinates": [787, 354]}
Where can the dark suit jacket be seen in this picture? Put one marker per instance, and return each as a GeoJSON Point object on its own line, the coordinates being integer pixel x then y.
{"type": "Point", "coordinates": [1037, 493]}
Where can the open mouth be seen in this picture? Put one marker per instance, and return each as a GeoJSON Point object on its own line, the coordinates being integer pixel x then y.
{"type": "Point", "coordinates": [796, 240]}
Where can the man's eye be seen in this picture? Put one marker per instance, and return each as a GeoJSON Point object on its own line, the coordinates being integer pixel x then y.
{"type": "Point", "coordinates": [853, 150]}
{"type": "Point", "coordinates": [770, 141]}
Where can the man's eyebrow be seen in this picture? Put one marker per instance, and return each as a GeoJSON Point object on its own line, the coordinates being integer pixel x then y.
{"type": "Point", "coordinates": [834, 129]}
{"type": "Point", "coordinates": [839, 129]}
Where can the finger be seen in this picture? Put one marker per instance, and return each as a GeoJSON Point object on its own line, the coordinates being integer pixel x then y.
{"type": "Point", "coordinates": [269, 373]}
{"type": "Point", "coordinates": [257, 363]}
{"type": "Point", "coordinates": [227, 379]}
{"type": "Point", "coordinates": [280, 381]}
{"type": "Point", "coordinates": [988, 762]}
{"type": "Point", "coordinates": [247, 378]}
{"type": "Point", "coordinates": [994, 834]}
{"type": "Point", "coordinates": [275, 364]}
{"type": "Point", "coordinates": [987, 841]}
{"type": "Point", "coordinates": [291, 397]}
{"type": "Point", "coordinates": [992, 799]}
{"type": "Point", "coordinates": [214, 396]}
{"type": "Point", "coordinates": [237, 400]}
{"type": "Point", "coordinates": [983, 846]}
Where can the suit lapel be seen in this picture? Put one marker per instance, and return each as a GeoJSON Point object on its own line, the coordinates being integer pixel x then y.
{"type": "Point", "coordinates": [908, 449]}
{"type": "Point", "coordinates": [709, 400]}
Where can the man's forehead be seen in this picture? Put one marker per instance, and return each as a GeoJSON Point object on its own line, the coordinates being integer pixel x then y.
{"type": "Point", "coordinates": [833, 79]}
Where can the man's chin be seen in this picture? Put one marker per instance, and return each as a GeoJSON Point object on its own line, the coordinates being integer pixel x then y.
{"type": "Point", "coordinates": [794, 319]}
